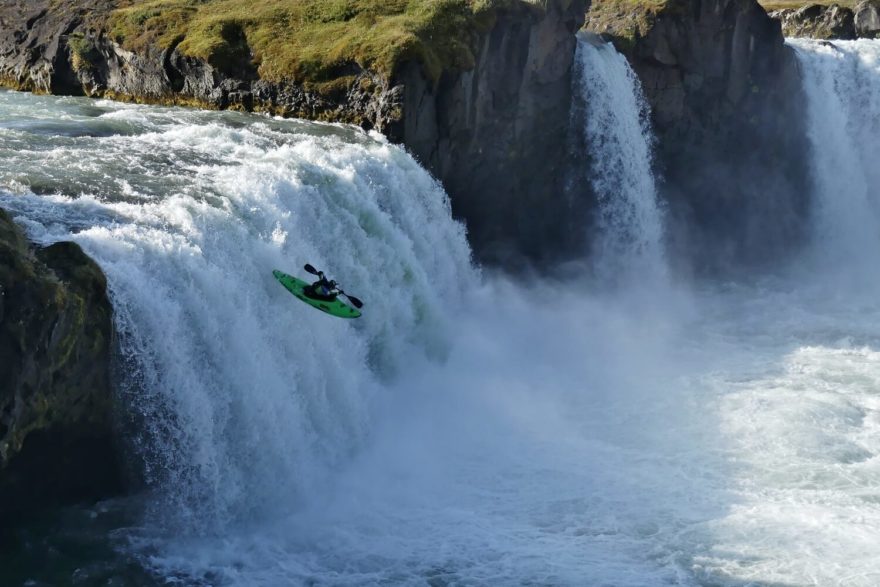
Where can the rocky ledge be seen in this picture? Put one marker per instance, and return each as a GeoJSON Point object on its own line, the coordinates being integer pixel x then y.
{"type": "Point", "coordinates": [477, 90]}
{"type": "Point", "coordinates": [56, 402]}
{"type": "Point", "coordinates": [725, 94]}
{"type": "Point", "coordinates": [832, 21]}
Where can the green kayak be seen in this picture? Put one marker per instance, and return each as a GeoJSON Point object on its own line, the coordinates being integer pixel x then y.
{"type": "Point", "coordinates": [296, 287]}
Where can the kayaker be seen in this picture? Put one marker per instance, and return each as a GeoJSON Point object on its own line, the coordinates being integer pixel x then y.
{"type": "Point", "coordinates": [323, 289]}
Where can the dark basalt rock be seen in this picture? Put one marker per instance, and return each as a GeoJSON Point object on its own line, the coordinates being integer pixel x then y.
{"type": "Point", "coordinates": [495, 135]}
{"type": "Point", "coordinates": [727, 107]}
{"type": "Point", "coordinates": [56, 403]}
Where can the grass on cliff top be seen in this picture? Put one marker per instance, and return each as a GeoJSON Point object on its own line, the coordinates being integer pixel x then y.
{"type": "Point", "coordinates": [772, 5]}
{"type": "Point", "coordinates": [625, 19]}
{"type": "Point", "coordinates": [309, 40]}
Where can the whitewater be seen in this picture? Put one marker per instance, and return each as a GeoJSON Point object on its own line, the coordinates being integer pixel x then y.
{"type": "Point", "coordinates": [621, 428]}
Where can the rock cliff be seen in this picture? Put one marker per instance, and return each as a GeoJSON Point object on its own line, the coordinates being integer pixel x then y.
{"type": "Point", "coordinates": [495, 134]}
{"type": "Point", "coordinates": [56, 441]}
{"type": "Point", "coordinates": [727, 110]}
{"type": "Point", "coordinates": [484, 113]}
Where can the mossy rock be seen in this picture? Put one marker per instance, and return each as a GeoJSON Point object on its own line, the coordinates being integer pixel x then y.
{"type": "Point", "coordinates": [83, 53]}
{"type": "Point", "coordinates": [56, 336]}
{"type": "Point", "coordinates": [627, 21]}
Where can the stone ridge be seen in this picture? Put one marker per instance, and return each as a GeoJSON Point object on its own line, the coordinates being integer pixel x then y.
{"type": "Point", "coordinates": [496, 135]}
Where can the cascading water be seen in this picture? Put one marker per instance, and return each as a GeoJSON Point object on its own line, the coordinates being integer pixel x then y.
{"type": "Point", "coordinates": [842, 85]}
{"type": "Point", "coordinates": [245, 393]}
{"type": "Point", "coordinates": [613, 120]}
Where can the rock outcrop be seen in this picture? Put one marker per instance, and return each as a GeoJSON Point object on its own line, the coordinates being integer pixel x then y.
{"type": "Point", "coordinates": [495, 134]}
{"type": "Point", "coordinates": [489, 130]}
{"type": "Point", "coordinates": [867, 19]}
{"type": "Point", "coordinates": [56, 402]}
{"type": "Point", "coordinates": [818, 21]}
{"type": "Point", "coordinates": [727, 110]}
{"type": "Point", "coordinates": [831, 22]}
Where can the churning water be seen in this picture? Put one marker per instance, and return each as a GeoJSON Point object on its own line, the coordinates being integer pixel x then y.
{"type": "Point", "coordinates": [470, 430]}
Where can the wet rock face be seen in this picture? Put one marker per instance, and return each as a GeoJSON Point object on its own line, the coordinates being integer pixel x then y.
{"type": "Point", "coordinates": [731, 143]}
{"type": "Point", "coordinates": [818, 21]}
{"type": "Point", "coordinates": [496, 135]}
{"type": "Point", "coordinates": [56, 402]}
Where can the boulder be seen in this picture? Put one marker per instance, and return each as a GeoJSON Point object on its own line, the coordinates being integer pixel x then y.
{"type": "Point", "coordinates": [867, 19]}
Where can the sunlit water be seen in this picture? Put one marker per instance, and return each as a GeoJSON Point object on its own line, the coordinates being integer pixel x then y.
{"type": "Point", "coordinates": [469, 430]}
{"type": "Point", "coordinates": [612, 116]}
{"type": "Point", "coordinates": [842, 86]}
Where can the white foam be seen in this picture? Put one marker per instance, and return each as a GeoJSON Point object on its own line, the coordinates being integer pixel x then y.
{"type": "Point", "coordinates": [246, 394]}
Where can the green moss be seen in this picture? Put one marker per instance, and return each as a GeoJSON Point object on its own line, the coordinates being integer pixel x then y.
{"type": "Point", "coordinates": [158, 22]}
{"type": "Point", "coordinates": [57, 317]}
{"type": "Point", "coordinates": [167, 100]}
{"type": "Point", "coordinates": [82, 52]}
{"type": "Point", "coordinates": [23, 84]}
{"type": "Point", "coordinates": [10, 235]}
{"type": "Point", "coordinates": [311, 40]}
{"type": "Point", "coordinates": [626, 21]}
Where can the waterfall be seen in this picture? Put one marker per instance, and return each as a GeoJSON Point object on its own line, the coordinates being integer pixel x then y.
{"type": "Point", "coordinates": [611, 117]}
{"type": "Point", "coordinates": [245, 394]}
{"type": "Point", "coordinates": [842, 86]}
{"type": "Point", "coordinates": [465, 431]}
